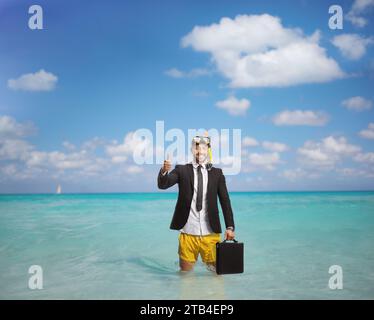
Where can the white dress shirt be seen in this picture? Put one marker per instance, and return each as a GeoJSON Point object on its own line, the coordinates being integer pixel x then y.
{"type": "Point", "coordinates": [198, 221]}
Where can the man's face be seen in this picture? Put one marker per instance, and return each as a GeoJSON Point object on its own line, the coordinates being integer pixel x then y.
{"type": "Point", "coordinates": [200, 152]}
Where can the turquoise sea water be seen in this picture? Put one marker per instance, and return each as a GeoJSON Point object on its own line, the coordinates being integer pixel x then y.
{"type": "Point", "coordinates": [119, 246]}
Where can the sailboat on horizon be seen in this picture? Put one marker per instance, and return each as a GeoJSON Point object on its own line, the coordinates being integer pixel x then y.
{"type": "Point", "coordinates": [58, 191]}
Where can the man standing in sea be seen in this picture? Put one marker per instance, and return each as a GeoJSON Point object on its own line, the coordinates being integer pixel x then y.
{"type": "Point", "coordinates": [196, 213]}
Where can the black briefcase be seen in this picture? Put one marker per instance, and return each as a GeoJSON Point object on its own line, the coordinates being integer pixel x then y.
{"type": "Point", "coordinates": [230, 257]}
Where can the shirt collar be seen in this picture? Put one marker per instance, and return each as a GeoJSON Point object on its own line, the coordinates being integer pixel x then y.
{"type": "Point", "coordinates": [195, 164]}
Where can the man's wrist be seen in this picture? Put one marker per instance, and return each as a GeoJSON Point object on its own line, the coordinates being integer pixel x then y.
{"type": "Point", "coordinates": [230, 228]}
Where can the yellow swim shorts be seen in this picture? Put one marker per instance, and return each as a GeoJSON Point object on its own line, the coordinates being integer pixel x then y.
{"type": "Point", "coordinates": [190, 246]}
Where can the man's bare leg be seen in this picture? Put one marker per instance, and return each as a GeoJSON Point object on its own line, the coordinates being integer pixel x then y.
{"type": "Point", "coordinates": [185, 265]}
{"type": "Point", "coordinates": [211, 266]}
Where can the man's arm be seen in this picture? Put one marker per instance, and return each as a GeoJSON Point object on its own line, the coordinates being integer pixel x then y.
{"type": "Point", "coordinates": [224, 199]}
{"type": "Point", "coordinates": [166, 180]}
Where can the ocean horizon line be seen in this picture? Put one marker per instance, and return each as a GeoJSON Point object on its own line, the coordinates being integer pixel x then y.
{"type": "Point", "coordinates": [176, 192]}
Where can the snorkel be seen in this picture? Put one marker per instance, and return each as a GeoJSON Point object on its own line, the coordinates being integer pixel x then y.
{"type": "Point", "coordinates": [210, 162]}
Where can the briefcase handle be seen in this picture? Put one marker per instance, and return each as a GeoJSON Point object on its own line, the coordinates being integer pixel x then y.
{"type": "Point", "coordinates": [230, 240]}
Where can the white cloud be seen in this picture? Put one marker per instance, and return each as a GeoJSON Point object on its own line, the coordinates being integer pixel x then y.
{"type": "Point", "coordinates": [357, 103]}
{"type": "Point", "coordinates": [249, 142]}
{"type": "Point", "coordinates": [327, 153]}
{"type": "Point", "coordinates": [300, 118]}
{"type": "Point", "coordinates": [347, 171]}
{"type": "Point", "coordinates": [17, 172]}
{"type": "Point", "coordinates": [131, 143]}
{"type": "Point", "coordinates": [297, 174]}
{"type": "Point", "coordinates": [69, 146]}
{"type": "Point", "coordinates": [339, 145]}
{"type": "Point", "coordinates": [365, 157]}
{"type": "Point", "coordinates": [275, 146]}
{"type": "Point", "coordinates": [352, 46]}
{"type": "Point", "coordinates": [194, 73]}
{"type": "Point", "coordinates": [58, 159]}
{"type": "Point", "coordinates": [83, 159]}
{"type": "Point", "coordinates": [359, 7]}
{"type": "Point", "coordinates": [266, 161]}
{"type": "Point", "coordinates": [355, 172]}
{"type": "Point", "coordinates": [254, 179]}
{"type": "Point", "coordinates": [14, 149]}
{"type": "Point", "coordinates": [93, 144]}
{"type": "Point", "coordinates": [10, 169]}
{"type": "Point", "coordinates": [20, 160]}
{"type": "Point", "coordinates": [314, 154]}
{"type": "Point", "coordinates": [119, 158]}
{"type": "Point", "coordinates": [30, 162]}
{"type": "Point", "coordinates": [258, 51]}
{"type": "Point", "coordinates": [82, 162]}
{"type": "Point", "coordinates": [73, 160]}
{"type": "Point", "coordinates": [369, 132]}
{"type": "Point", "coordinates": [97, 165]}
{"type": "Point", "coordinates": [234, 106]}
{"type": "Point", "coordinates": [9, 128]}
{"type": "Point", "coordinates": [174, 73]}
{"type": "Point", "coordinates": [134, 169]}
{"type": "Point", "coordinates": [38, 81]}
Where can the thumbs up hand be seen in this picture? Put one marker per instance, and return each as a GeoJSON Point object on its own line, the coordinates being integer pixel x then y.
{"type": "Point", "coordinates": [167, 165]}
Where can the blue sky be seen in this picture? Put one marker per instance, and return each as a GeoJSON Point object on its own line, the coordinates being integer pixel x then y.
{"type": "Point", "coordinates": [99, 70]}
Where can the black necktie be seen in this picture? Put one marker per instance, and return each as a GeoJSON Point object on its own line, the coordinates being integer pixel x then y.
{"type": "Point", "coordinates": [199, 199]}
